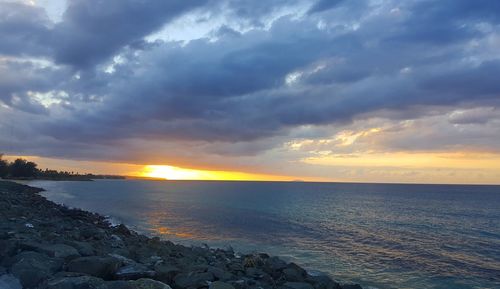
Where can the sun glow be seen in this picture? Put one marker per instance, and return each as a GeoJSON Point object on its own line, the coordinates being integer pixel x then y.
{"type": "Point", "coordinates": [176, 173]}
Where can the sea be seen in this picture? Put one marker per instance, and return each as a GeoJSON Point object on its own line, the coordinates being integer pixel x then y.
{"type": "Point", "coordinates": [377, 235]}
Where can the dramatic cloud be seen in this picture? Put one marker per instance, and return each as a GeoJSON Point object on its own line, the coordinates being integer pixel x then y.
{"type": "Point", "coordinates": [110, 81]}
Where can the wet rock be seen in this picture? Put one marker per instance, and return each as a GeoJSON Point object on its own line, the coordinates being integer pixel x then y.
{"type": "Point", "coordinates": [275, 264]}
{"type": "Point", "coordinates": [134, 272]}
{"type": "Point", "coordinates": [77, 282]}
{"type": "Point", "coordinates": [9, 282]}
{"type": "Point", "coordinates": [166, 272]}
{"type": "Point", "coordinates": [294, 273]}
{"type": "Point", "coordinates": [118, 285]}
{"type": "Point", "coordinates": [31, 268]}
{"type": "Point", "coordinates": [298, 285]}
{"type": "Point", "coordinates": [102, 267]}
{"type": "Point", "coordinates": [83, 248]}
{"type": "Point", "coordinates": [123, 230]}
{"type": "Point", "coordinates": [220, 285]}
{"type": "Point", "coordinates": [148, 284]}
{"type": "Point", "coordinates": [220, 274]}
{"type": "Point", "coordinates": [58, 250]}
{"type": "Point", "coordinates": [254, 272]}
{"type": "Point", "coordinates": [193, 279]}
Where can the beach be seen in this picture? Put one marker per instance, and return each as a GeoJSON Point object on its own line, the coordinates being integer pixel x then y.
{"type": "Point", "coordinates": [49, 246]}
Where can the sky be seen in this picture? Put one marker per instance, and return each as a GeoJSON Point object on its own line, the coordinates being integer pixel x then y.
{"type": "Point", "coordinates": [325, 90]}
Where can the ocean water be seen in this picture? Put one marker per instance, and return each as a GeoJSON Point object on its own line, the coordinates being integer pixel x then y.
{"type": "Point", "coordinates": [378, 235]}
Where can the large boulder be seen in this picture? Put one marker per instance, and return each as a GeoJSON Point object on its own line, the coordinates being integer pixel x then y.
{"type": "Point", "coordinates": [294, 273]}
{"type": "Point", "coordinates": [148, 284]}
{"type": "Point", "coordinates": [9, 282]}
{"type": "Point", "coordinates": [52, 250]}
{"type": "Point", "coordinates": [166, 272]}
{"type": "Point", "coordinates": [31, 268]}
{"type": "Point", "coordinates": [133, 272]}
{"type": "Point", "coordinates": [74, 282]}
{"type": "Point", "coordinates": [102, 267]}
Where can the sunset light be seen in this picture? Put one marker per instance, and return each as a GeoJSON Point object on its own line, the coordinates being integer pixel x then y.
{"type": "Point", "coordinates": [176, 173]}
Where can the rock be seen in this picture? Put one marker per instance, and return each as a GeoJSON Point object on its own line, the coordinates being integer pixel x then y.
{"type": "Point", "coordinates": [166, 273]}
{"type": "Point", "coordinates": [133, 272]}
{"type": "Point", "coordinates": [148, 284]}
{"type": "Point", "coordinates": [60, 251]}
{"type": "Point", "coordinates": [77, 282]}
{"type": "Point", "coordinates": [298, 285]}
{"type": "Point", "coordinates": [118, 285]}
{"type": "Point", "coordinates": [122, 229]}
{"type": "Point", "coordinates": [294, 273]}
{"type": "Point", "coordinates": [254, 272]}
{"type": "Point", "coordinates": [9, 282]}
{"type": "Point", "coordinates": [32, 267]}
{"type": "Point", "coordinates": [84, 248]}
{"type": "Point", "coordinates": [351, 286]}
{"type": "Point", "coordinates": [193, 279]}
{"type": "Point", "coordinates": [220, 285]}
{"type": "Point", "coordinates": [102, 267]}
{"type": "Point", "coordinates": [323, 282]}
{"type": "Point", "coordinates": [275, 264]}
{"type": "Point", "coordinates": [220, 274]}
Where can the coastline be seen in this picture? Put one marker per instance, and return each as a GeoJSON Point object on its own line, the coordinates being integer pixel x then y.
{"type": "Point", "coordinates": [48, 246]}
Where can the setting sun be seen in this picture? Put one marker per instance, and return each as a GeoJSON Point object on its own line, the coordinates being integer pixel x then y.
{"type": "Point", "coordinates": [176, 173]}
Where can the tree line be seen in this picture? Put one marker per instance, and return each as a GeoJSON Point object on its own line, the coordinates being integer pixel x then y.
{"type": "Point", "coordinates": [24, 169]}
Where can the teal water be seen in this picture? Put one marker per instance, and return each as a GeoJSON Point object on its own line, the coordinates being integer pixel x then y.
{"type": "Point", "coordinates": [379, 235]}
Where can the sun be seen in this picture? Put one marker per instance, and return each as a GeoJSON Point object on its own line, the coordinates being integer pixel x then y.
{"type": "Point", "coordinates": [175, 173]}
{"type": "Point", "coordinates": [170, 173]}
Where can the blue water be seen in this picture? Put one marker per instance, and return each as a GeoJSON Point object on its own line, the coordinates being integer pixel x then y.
{"type": "Point", "coordinates": [379, 235]}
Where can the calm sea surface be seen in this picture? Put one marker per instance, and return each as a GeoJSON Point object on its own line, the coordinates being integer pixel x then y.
{"type": "Point", "coordinates": [382, 236]}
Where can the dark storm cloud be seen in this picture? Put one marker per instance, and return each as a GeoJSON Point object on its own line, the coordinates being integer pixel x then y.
{"type": "Point", "coordinates": [24, 29]}
{"type": "Point", "coordinates": [91, 31]}
{"type": "Point", "coordinates": [310, 68]}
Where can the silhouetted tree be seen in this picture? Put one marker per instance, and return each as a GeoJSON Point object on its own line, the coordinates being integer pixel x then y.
{"type": "Point", "coordinates": [21, 168]}
{"type": "Point", "coordinates": [4, 167]}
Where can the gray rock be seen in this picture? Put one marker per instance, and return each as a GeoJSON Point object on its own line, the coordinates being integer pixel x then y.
{"type": "Point", "coordinates": [84, 248]}
{"type": "Point", "coordinates": [220, 274]}
{"type": "Point", "coordinates": [298, 285]}
{"type": "Point", "coordinates": [32, 267]}
{"type": "Point", "coordinates": [52, 250]}
{"type": "Point", "coordinates": [77, 282]}
{"type": "Point", "coordinates": [10, 282]}
{"type": "Point", "coordinates": [148, 284]}
{"type": "Point", "coordinates": [117, 285]}
{"type": "Point", "coordinates": [166, 272]}
{"type": "Point", "coordinates": [60, 251]}
{"type": "Point", "coordinates": [220, 285]}
{"type": "Point", "coordinates": [134, 272]}
{"type": "Point", "coordinates": [254, 272]}
{"type": "Point", "coordinates": [102, 267]}
{"type": "Point", "coordinates": [294, 273]}
{"type": "Point", "coordinates": [193, 279]}
{"type": "Point", "coordinates": [275, 264]}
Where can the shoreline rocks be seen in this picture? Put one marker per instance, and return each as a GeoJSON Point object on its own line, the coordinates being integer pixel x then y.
{"type": "Point", "coordinates": [48, 246]}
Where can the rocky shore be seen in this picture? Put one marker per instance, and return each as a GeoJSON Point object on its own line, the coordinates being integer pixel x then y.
{"type": "Point", "coordinates": [48, 246]}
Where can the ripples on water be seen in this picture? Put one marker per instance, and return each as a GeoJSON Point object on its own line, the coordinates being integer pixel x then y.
{"type": "Point", "coordinates": [385, 236]}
